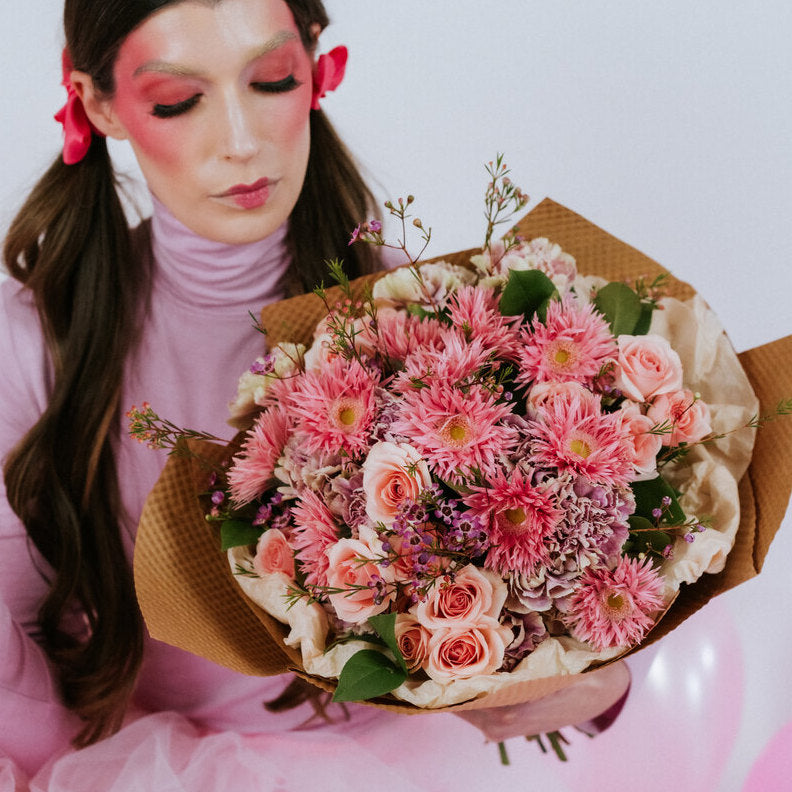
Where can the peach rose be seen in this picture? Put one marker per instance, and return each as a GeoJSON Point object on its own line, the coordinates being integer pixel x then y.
{"type": "Point", "coordinates": [569, 392]}
{"type": "Point", "coordinates": [274, 554]}
{"type": "Point", "coordinates": [464, 652]}
{"type": "Point", "coordinates": [644, 445]}
{"type": "Point", "coordinates": [391, 473]}
{"type": "Point", "coordinates": [646, 366]}
{"type": "Point", "coordinates": [349, 572]}
{"type": "Point", "coordinates": [412, 639]}
{"type": "Point", "coordinates": [689, 417]}
{"type": "Point", "coordinates": [474, 594]}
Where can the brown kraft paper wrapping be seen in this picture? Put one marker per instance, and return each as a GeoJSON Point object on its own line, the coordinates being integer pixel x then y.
{"type": "Point", "coordinates": [189, 598]}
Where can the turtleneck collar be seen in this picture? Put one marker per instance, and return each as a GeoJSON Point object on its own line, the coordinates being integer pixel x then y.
{"type": "Point", "coordinates": [212, 275]}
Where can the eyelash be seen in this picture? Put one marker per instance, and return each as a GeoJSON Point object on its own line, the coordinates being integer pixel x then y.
{"type": "Point", "coordinates": [279, 86]}
{"type": "Point", "coordinates": [170, 111]}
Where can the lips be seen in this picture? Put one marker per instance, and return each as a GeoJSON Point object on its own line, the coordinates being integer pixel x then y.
{"type": "Point", "coordinates": [248, 196]}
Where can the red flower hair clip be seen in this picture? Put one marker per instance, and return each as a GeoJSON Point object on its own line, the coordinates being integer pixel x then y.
{"type": "Point", "coordinates": [77, 129]}
{"type": "Point", "coordinates": [328, 73]}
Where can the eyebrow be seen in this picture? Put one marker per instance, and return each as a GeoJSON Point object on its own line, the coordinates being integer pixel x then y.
{"type": "Point", "coordinates": [164, 67]}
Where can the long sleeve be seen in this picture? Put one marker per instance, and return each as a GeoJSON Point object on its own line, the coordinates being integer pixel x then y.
{"type": "Point", "coordinates": [33, 724]}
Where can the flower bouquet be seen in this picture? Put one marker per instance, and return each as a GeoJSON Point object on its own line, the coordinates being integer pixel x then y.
{"type": "Point", "coordinates": [466, 482]}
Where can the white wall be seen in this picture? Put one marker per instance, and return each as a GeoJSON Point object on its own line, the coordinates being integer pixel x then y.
{"type": "Point", "coordinates": [667, 123]}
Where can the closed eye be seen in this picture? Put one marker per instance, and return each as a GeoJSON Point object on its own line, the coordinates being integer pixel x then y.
{"type": "Point", "coordinates": [278, 86]}
{"type": "Point", "coordinates": [171, 110]}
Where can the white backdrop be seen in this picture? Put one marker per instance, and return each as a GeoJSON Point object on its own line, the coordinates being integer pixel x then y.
{"type": "Point", "coordinates": [668, 123]}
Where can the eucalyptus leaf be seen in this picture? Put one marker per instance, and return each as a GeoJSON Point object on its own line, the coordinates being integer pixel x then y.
{"type": "Point", "coordinates": [367, 674]}
{"type": "Point", "coordinates": [621, 306]}
{"type": "Point", "coordinates": [237, 533]}
{"type": "Point", "coordinates": [525, 293]}
{"type": "Point", "coordinates": [385, 625]}
{"type": "Point", "coordinates": [649, 496]}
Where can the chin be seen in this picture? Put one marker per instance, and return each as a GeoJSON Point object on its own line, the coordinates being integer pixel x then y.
{"type": "Point", "coordinates": [240, 228]}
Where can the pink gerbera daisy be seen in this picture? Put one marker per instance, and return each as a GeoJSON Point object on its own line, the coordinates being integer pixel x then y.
{"type": "Point", "coordinates": [315, 530]}
{"type": "Point", "coordinates": [569, 436]}
{"type": "Point", "coordinates": [334, 405]}
{"type": "Point", "coordinates": [616, 607]}
{"type": "Point", "coordinates": [455, 430]}
{"type": "Point", "coordinates": [518, 517]}
{"type": "Point", "coordinates": [474, 311]}
{"type": "Point", "coordinates": [252, 469]}
{"type": "Point", "coordinates": [574, 343]}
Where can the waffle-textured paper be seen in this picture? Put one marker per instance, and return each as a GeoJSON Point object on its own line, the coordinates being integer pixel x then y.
{"type": "Point", "coordinates": [190, 599]}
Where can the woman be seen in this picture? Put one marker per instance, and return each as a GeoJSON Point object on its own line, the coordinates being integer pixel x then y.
{"type": "Point", "coordinates": [252, 191]}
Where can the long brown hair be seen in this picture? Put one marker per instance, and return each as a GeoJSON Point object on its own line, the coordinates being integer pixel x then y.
{"type": "Point", "coordinates": [71, 246]}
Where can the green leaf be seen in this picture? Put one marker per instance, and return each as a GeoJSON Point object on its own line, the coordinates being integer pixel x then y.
{"type": "Point", "coordinates": [621, 306]}
{"type": "Point", "coordinates": [525, 293]}
{"type": "Point", "coordinates": [638, 523]}
{"type": "Point", "coordinates": [649, 496]}
{"type": "Point", "coordinates": [646, 539]}
{"type": "Point", "coordinates": [385, 625]}
{"type": "Point", "coordinates": [418, 310]}
{"type": "Point", "coordinates": [645, 320]}
{"type": "Point", "coordinates": [367, 674]}
{"type": "Point", "coordinates": [236, 533]}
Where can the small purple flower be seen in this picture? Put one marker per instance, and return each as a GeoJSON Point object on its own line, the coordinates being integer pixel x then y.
{"type": "Point", "coordinates": [218, 496]}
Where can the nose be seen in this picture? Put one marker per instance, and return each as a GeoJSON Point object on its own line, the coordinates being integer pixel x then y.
{"type": "Point", "coordinates": [239, 140]}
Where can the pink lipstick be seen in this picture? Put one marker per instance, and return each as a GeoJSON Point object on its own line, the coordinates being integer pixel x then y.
{"type": "Point", "coordinates": [249, 196]}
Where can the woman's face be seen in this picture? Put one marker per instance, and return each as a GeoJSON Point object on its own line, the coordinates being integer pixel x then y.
{"type": "Point", "coordinates": [215, 100]}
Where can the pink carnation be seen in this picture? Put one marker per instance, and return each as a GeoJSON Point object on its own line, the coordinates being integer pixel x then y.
{"type": "Point", "coordinates": [518, 517]}
{"type": "Point", "coordinates": [616, 607]}
{"type": "Point", "coordinates": [574, 343]}
{"type": "Point", "coordinates": [252, 469]}
{"type": "Point", "coordinates": [334, 406]}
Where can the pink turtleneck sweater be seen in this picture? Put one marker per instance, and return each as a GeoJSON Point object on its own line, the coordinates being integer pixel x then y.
{"type": "Point", "coordinates": [197, 339]}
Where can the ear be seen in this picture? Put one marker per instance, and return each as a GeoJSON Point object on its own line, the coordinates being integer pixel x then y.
{"type": "Point", "coordinates": [313, 31]}
{"type": "Point", "coordinates": [99, 110]}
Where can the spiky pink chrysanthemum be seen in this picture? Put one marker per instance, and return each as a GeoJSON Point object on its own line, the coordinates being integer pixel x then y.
{"type": "Point", "coordinates": [396, 333]}
{"type": "Point", "coordinates": [251, 470]}
{"type": "Point", "coordinates": [574, 343]}
{"type": "Point", "coordinates": [455, 430]}
{"type": "Point", "coordinates": [569, 436]}
{"type": "Point", "coordinates": [474, 311]}
{"type": "Point", "coordinates": [333, 407]}
{"type": "Point", "coordinates": [453, 361]}
{"type": "Point", "coordinates": [518, 516]}
{"type": "Point", "coordinates": [315, 530]}
{"type": "Point", "coordinates": [616, 607]}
